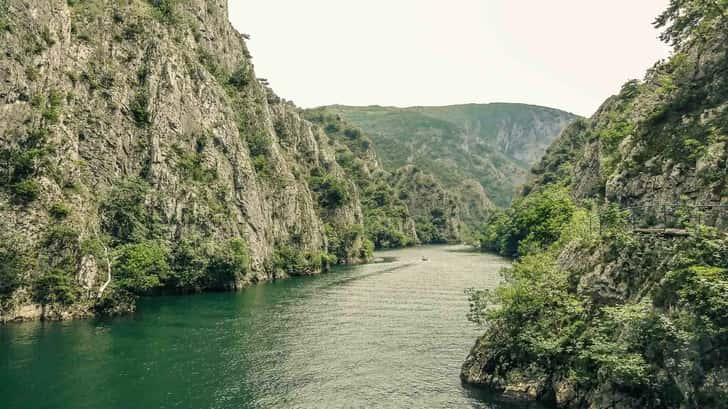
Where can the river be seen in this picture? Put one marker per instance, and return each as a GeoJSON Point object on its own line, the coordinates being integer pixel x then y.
{"type": "Point", "coordinates": [391, 334]}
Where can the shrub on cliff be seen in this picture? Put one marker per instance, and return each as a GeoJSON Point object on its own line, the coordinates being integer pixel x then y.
{"type": "Point", "coordinates": [123, 214]}
{"type": "Point", "coordinates": [535, 221]}
{"type": "Point", "coordinates": [332, 192]}
{"type": "Point", "coordinates": [667, 343]}
{"type": "Point", "coordinates": [229, 263]}
{"type": "Point", "coordinates": [341, 242]}
{"type": "Point", "coordinates": [294, 261]}
{"type": "Point", "coordinates": [141, 267]}
{"type": "Point", "coordinates": [12, 263]}
{"type": "Point", "coordinates": [25, 192]}
{"type": "Point", "coordinates": [56, 287]}
{"type": "Point", "coordinates": [164, 10]}
{"type": "Point", "coordinates": [197, 265]}
{"type": "Point", "coordinates": [384, 231]}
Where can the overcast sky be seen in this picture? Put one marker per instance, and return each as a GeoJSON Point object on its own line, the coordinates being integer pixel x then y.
{"type": "Point", "coordinates": [568, 54]}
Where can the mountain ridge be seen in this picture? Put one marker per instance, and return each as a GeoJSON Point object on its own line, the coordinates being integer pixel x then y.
{"type": "Point", "coordinates": [492, 143]}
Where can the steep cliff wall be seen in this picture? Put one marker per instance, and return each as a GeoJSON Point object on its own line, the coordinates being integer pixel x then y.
{"type": "Point", "coordinates": [141, 123]}
{"type": "Point", "coordinates": [617, 298]}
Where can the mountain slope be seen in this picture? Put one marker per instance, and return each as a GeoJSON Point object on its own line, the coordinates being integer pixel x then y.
{"type": "Point", "coordinates": [617, 297]}
{"type": "Point", "coordinates": [405, 206]}
{"type": "Point", "coordinates": [493, 144]}
{"type": "Point", "coordinates": [138, 147]}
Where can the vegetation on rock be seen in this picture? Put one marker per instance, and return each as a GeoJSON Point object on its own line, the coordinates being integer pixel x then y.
{"type": "Point", "coordinates": [492, 144]}
{"type": "Point", "coordinates": [594, 310]}
{"type": "Point", "coordinates": [400, 208]}
{"type": "Point", "coordinates": [134, 140]}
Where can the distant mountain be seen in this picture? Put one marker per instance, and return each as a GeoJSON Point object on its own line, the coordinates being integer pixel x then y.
{"type": "Point", "coordinates": [404, 206]}
{"type": "Point", "coordinates": [494, 144]}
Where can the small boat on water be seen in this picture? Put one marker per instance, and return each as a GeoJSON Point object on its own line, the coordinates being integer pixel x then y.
{"type": "Point", "coordinates": [424, 258]}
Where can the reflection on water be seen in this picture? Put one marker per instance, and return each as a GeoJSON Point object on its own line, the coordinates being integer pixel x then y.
{"type": "Point", "coordinates": [391, 334]}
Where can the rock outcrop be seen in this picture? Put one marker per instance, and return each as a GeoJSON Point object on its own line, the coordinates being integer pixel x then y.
{"type": "Point", "coordinates": [628, 315]}
{"type": "Point", "coordinates": [159, 97]}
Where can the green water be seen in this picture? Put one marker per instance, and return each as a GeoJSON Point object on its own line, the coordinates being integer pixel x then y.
{"type": "Point", "coordinates": [386, 335]}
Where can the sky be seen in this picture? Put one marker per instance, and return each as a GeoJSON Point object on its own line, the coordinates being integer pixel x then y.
{"type": "Point", "coordinates": [567, 54]}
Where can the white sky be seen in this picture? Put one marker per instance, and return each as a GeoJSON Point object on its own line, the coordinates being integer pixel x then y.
{"type": "Point", "coordinates": [568, 54]}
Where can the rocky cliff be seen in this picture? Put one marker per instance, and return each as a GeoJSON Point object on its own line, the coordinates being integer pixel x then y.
{"type": "Point", "coordinates": [492, 144]}
{"type": "Point", "coordinates": [617, 296]}
{"type": "Point", "coordinates": [135, 136]}
{"type": "Point", "coordinates": [408, 205]}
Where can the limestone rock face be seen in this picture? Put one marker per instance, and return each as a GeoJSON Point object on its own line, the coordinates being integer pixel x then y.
{"type": "Point", "coordinates": [656, 155]}
{"type": "Point", "coordinates": [632, 154]}
{"type": "Point", "coordinates": [102, 92]}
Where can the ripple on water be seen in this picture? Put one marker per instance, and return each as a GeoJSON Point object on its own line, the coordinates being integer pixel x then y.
{"type": "Point", "coordinates": [385, 335]}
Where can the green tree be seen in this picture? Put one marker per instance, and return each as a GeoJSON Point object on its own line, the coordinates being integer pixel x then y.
{"type": "Point", "coordinates": [332, 192]}
{"type": "Point", "coordinates": [693, 22]}
{"type": "Point", "coordinates": [535, 221]}
{"type": "Point", "coordinates": [229, 264]}
{"type": "Point", "coordinates": [56, 287]}
{"type": "Point", "coordinates": [141, 267]}
{"type": "Point", "coordinates": [123, 214]}
{"type": "Point", "coordinates": [61, 248]}
{"type": "Point", "coordinates": [188, 263]}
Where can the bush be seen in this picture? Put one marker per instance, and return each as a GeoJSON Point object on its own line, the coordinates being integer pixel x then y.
{"type": "Point", "coordinates": [535, 221]}
{"type": "Point", "coordinates": [12, 264]}
{"type": "Point", "coordinates": [341, 242]}
{"type": "Point", "coordinates": [367, 249]}
{"type": "Point", "coordinates": [332, 127]}
{"type": "Point", "coordinates": [294, 261]}
{"type": "Point", "coordinates": [379, 195]}
{"type": "Point", "coordinates": [188, 263]}
{"type": "Point", "coordinates": [52, 113]}
{"type": "Point", "coordinates": [123, 214]}
{"type": "Point", "coordinates": [536, 319]}
{"type": "Point", "coordinates": [198, 265]}
{"type": "Point", "coordinates": [61, 247]}
{"type": "Point", "coordinates": [115, 301]}
{"type": "Point", "coordinates": [193, 167]}
{"type": "Point", "coordinates": [59, 211]}
{"type": "Point", "coordinates": [139, 108]}
{"type": "Point", "coordinates": [260, 164]}
{"type": "Point", "coordinates": [429, 232]}
{"type": "Point", "coordinates": [164, 10]}
{"type": "Point", "coordinates": [332, 192]}
{"type": "Point", "coordinates": [352, 133]}
{"type": "Point", "coordinates": [229, 263]}
{"type": "Point", "coordinates": [666, 345]}
{"type": "Point", "coordinates": [260, 144]}
{"type": "Point", "coordinates": [56, 287]}
{"type": "Point", "coordinates": [25, 192]}
{"type": "Point", "coordinates": [139, 268]}
{"type": "Point", "coordinates": [240, 78]}
{"type": "Point", "coordinates": [384, 231]}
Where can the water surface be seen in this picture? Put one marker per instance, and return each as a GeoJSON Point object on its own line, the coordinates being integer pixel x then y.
{"type": "Point", "coordinates": [385, 335]}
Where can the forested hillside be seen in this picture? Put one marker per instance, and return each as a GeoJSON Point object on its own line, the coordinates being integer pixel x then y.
{"type": "Point", "coordinates": [491, 144]}
{"type": "Point", "coordinates": [617, 298]}
{"type": "Point", "coordinates": [405, 206]}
